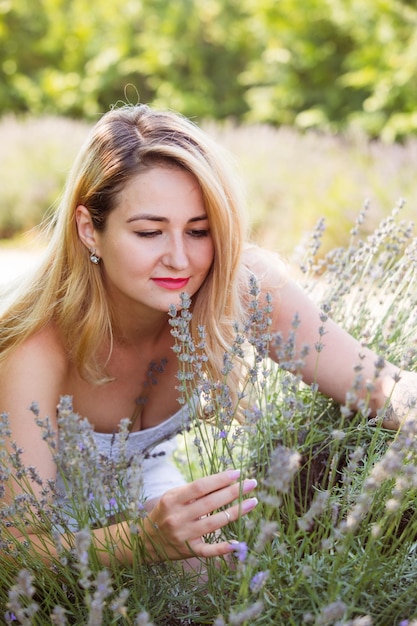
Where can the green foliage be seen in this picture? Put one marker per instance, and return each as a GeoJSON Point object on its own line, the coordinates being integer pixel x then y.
{"type": "Point", "coordinates": [329, 64]}
{"type": "Point", "coordinates": [337, 63]}
{"type": "Point", "coordinates": [69, 59]}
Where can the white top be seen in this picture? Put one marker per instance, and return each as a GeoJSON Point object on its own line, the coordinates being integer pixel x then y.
{"type": "Point", "coordinates": [143, 441]}
{"type": "Point", "coordinates": [142, 465]}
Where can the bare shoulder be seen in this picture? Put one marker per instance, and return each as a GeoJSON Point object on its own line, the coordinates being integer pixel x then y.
{"type": "Point", "coordinates": [270, 270]}
{"type": "Point", "coordinates": [43, 346]}
{"type": "Point", "coordinates": [34, 372]}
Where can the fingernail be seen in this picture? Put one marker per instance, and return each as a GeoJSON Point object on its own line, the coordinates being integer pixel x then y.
{"type": "Point", "coordinates": [233, 474]}
{"type": "Point", "coordinates": [249, 484]}
{"type": "Point", "coordinates": [249, 504]}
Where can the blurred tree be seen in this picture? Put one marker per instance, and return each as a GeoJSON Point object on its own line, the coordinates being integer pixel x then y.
{"type": "Point", "coordinates": [61, 56]}
{"type": "Point", "coordinates": [336, 63]}
{"type": "Point", "coordinates": [329, 64]}
{"type": "Point", "coordinates": [382, 68]}
{"type": "Point", "coordinates": [203, 47]}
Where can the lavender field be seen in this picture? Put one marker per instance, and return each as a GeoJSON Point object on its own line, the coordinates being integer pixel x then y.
{"type": "Point", "coordinates": [333, 539]}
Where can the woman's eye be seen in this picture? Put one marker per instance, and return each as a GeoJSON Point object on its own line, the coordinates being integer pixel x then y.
{"type": "Point", "coordinates": [199, 233]}
{"type": "Point", "coordinates": [147, 233]}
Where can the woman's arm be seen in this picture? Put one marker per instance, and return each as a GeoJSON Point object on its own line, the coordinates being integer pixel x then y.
{"type": "Point", "coordinates": [333, 356]}
{"type": "Point", "coordinates": [336, 361]}
{"type": "Point", "coordinates": [175, 526]}
{"type": "Point", "coordinates": [173, 530]}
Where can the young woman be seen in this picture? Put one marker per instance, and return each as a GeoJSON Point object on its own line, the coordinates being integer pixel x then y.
{"type": "Point", "coordinates": [149, 212]}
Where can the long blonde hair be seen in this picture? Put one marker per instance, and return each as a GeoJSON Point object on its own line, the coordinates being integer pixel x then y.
{"type": "Point", "coordinates": [68, 290]}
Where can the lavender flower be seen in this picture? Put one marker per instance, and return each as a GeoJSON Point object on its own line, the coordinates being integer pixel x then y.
{"type": "Point", "coordinates": [98, 600]}
{"type": "Point", "coordinates": [267, 532]}
{"type": "Point", "coordinates": [331, 613]}
{"type": "Point", "coordinates": [258, 581]}
{"type": "Point", "coordinates": [251, 612]}
{"type": "Point", "coordinates": [58, 616]}
{"type": "Point", "coordinates": [20, 605]}
{"type": "Point", "coordinates": [240, 549]}
{"type": "Point", "coordinates": [118, 604]}
{"type": "Point", "coordinates": [316, 509]}
{"type": "Point", "coordinates": [82, 546]}
{"type": "Point", "coordinates": [143, 619]}
{"type": "Point", "coordinates": [284, 464]}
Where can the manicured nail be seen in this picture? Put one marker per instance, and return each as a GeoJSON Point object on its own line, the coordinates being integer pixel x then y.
{"type": "Point", "coordinates": [233, 474]}
{"type": "Point", "coordinates": [249, 484]}
{"type": "Point", "coordinates": [249, 504]}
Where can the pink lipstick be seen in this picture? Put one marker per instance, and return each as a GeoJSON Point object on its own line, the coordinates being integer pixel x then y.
{"type": "Point", "coordinates": [171, 283]}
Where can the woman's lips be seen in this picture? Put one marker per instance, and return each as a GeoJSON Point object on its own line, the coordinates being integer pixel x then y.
{"type": "Point", "coordinates": [171, 283]}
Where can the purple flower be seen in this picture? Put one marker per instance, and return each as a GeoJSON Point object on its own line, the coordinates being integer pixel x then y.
{"type": "Point", "coordinates": [112, 503]}
{"type": "Point", "coordinates": [240, 549]}
{"type": "Point", "coordinates": [258, 581]}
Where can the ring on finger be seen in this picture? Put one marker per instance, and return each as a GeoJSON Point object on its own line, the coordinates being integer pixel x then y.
{"type": "Point", "coordinates": [227, 515]}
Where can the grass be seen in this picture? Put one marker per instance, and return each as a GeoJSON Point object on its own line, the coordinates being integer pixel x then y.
{"type": "Point", "coordinates": [333, 539]}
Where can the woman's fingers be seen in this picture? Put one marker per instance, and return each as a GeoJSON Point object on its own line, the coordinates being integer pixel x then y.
{"type": "Point", "coordinates": [204, 486]}
{"type": "Point", "coordinates": [219, 499]}
{"type": "Point", "coordinates": [205, 495]}
{"type": "Point", "coordinates": [183, 515]}
{"type": "Point", "coordinates": [211, 523]}
{"type": "Point", "coordinates": [208, 550]}
{"type": "Point", "coordinates": [182, 507]}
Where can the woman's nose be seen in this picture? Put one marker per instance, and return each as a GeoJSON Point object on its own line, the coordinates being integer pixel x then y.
{"type": "Point", "coordinates": [176, 254]}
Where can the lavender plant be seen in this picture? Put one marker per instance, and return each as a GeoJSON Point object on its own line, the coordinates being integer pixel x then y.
{"type": "Point", "coordinates": [333, 540]}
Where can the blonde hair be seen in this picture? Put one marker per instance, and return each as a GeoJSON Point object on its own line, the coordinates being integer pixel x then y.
{"type": "Point", "coordinates": [68, 290]}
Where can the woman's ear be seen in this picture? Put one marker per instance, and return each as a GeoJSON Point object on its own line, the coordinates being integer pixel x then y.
{"type": "Point", "coordinates": [85, 227]}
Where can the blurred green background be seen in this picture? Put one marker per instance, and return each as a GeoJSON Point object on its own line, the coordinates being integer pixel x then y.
{"type": "Point", "coordinates": [316, 99]}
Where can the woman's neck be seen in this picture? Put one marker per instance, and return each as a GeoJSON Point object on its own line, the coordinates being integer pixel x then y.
{"type": "Point", "coordinates": [131, 330]}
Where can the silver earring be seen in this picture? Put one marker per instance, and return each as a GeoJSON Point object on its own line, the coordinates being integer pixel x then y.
{"type": "Point", "coordinates": [94, 258]}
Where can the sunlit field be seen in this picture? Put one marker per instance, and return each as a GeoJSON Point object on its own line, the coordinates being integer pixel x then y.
{"type": "Point", "coordinates": [290, 180]}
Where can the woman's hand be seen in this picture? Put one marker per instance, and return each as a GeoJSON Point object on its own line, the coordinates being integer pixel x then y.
{"type": "Point", "coordinates": [175, 527]}
{"type": "Point", "coordinates": [401, 391]}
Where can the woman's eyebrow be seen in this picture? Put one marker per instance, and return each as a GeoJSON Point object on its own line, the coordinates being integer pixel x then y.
{"type": "Point", "coordinates": [158, 218]}
{"type": "Point", "coordinates": [148, 217]}
{"type": "Point", "coordinates": [199, 218]}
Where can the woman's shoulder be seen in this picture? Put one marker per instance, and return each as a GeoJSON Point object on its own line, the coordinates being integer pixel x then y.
{"type": "Point", "coordinates": [44, 346]}
{"type": "Point", "coordinates": [269, 268]}
{"type": "Point", "coordinates": [35, 371]}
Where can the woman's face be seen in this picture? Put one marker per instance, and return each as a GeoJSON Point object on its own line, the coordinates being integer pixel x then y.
{"type": "Point", "coordinates": [157, 242]}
